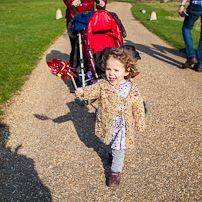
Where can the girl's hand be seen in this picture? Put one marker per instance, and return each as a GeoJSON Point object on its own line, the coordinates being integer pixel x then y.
{"type": "Point", "coordinates": [76, 3]}
{"type": "Point", "coordinates": [79, 92]}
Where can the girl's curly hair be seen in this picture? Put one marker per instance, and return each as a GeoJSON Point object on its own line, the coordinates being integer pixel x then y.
{"type": "Point", "coordinates": [125, 56]}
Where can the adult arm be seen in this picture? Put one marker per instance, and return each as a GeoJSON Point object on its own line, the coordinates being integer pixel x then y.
{"type": "Point", "coordinates": [181, 8]}
{"type": "Point", "coordinates": [102, 4]}
{"type": "Point", "coordinates": [71, 3]}
{"type": "Point", "coordinates": [87, 5]}
{"type": "Point", "coordinates": [68, 2]}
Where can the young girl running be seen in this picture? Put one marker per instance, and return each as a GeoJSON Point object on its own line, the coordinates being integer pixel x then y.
{"type": "Point", "coordinates": [120, 108]}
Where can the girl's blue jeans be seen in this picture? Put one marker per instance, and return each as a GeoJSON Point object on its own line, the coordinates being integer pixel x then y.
{"type": "Point", "coordinates": [194, 11]}
{"type": "Point", "coordinates": [118, 158]}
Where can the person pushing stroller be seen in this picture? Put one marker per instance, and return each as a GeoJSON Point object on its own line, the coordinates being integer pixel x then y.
{"type": "Point", "coordinates": [120, 107]}
{"type": "Point", "coordinates": [81, 6]}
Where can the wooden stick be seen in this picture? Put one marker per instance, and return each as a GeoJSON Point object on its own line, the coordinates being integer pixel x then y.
{"type": "Point", "coordinates": [75, 86]}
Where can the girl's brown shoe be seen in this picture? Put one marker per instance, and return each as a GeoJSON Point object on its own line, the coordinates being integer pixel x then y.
{"type": "Point", "coordinates": [114, 179]}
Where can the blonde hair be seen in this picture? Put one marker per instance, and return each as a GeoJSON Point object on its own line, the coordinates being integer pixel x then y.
{"type": "Point", "coordinates": [125, 56]}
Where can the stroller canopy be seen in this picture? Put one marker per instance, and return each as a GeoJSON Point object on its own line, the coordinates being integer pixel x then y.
{"type": "Point", "coordinates": [103, 31]}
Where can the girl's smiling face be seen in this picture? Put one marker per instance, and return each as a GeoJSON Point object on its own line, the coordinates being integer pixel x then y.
{"type": "Point", "coordinates": [115, 71]}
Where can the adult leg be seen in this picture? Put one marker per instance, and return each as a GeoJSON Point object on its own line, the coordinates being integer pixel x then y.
{"type": "Point", "coordinates": [73, 44]}
{"type": "Point", "coordinates": [198, 67]}
{"type": "Point", "coordinates": [199, 51]}
{"type": "Point", "coordinates": [187, 35]}
{"type": "Point", "coordinates": [195, 11]}
{"type": "Point", "coordinates": [186, 30]}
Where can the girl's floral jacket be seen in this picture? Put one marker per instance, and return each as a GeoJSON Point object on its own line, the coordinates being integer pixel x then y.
{"type": "Point", "coordinates": [108, 100]}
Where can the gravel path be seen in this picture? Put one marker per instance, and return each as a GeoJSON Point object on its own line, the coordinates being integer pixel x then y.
{"type": "Point", "coordinates": [60, 159]}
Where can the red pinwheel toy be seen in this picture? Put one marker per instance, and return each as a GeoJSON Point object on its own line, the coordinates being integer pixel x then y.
{"type": "Point", "coordinates": [61, 68]}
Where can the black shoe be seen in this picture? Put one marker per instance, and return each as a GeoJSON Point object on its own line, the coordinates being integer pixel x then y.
{"type": "Point", "coordinates": [196, 68]}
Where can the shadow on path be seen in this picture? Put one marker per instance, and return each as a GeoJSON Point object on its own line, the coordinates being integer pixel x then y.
{"type": "Point", "coordinates": [159, 52]}
{"type": "Point", "coordinates": [58, 55]}
{"type": "Point", "coordinates": [19, 181]}
{"type": "Point", "coordinates": [84, 123]}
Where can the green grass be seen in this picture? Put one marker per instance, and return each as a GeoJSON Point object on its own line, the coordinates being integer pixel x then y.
{"type": "Point", "coordinates": [27, 28]}
{"type": "Point", "coordinates": [168, 25]}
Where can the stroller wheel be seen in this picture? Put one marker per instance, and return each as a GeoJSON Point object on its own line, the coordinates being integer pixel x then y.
{"type": "Point", "coordinates": [81, 103]}
{"type": "Point", "coordinates": [146, 107]}
{"type": "Point", "coordinates": [87, 102]}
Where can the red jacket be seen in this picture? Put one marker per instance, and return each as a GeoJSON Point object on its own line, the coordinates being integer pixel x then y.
{"type": "Point", "coordinates": [88, 5]}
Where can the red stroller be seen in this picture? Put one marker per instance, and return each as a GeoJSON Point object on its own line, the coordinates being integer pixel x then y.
{"type": "Point", "coordinates": [103, 30]}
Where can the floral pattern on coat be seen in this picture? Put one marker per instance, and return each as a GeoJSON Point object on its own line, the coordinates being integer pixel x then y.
{"type": "Point", "coordinates": [108, 100]}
